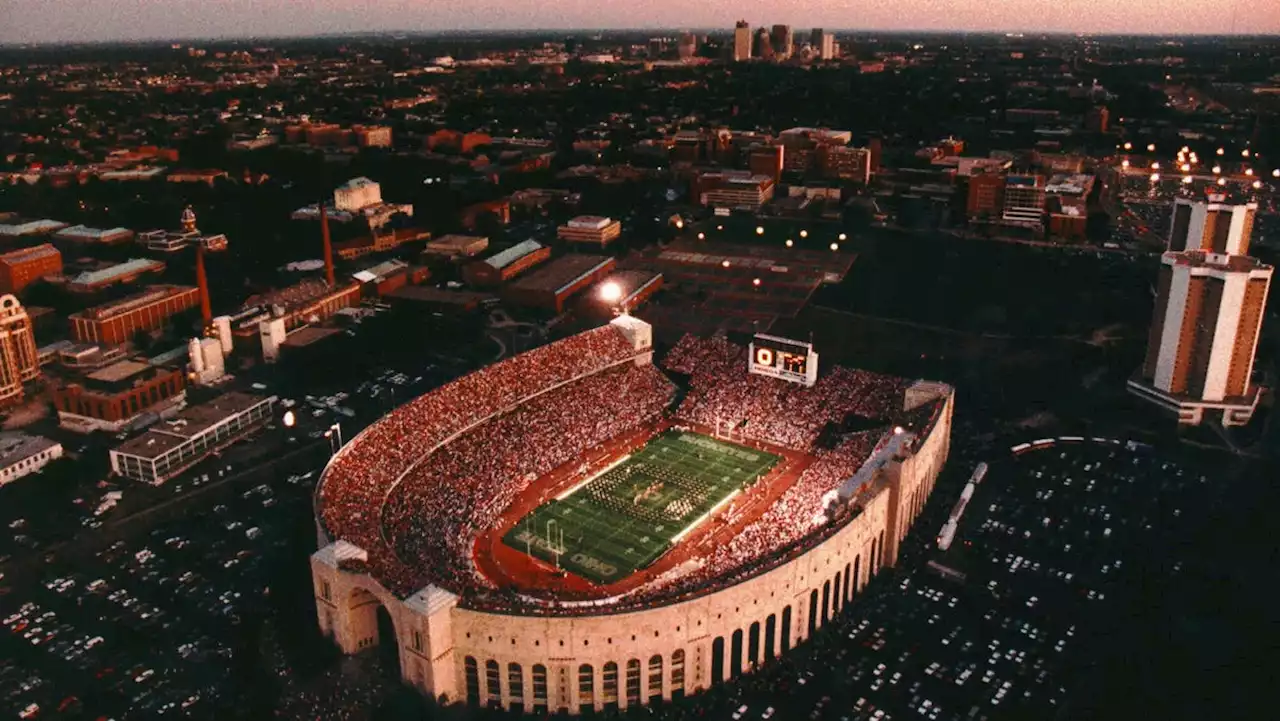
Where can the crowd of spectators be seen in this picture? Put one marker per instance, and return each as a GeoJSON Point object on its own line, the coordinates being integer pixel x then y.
{"type": "Point", "coordinates": [724, 396]}
{"type": "Point", "coordinates": [434, 515]}
{"type": "Point", "coordinates": [357, 483]}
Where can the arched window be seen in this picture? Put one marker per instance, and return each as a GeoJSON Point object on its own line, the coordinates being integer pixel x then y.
{"type": "Point", "coordinates": [610, 694]}
{"type": "Point", "coordinates": [735, 654]}
{"type": "Point", "coordinates": [473, 681]}
{"type": "Point", "coordinates": [492, 682]}
{"type": "Point", "coordinates": [539, 685]}
{"type": "Point", "coordinates": [515, 682]}
{"type": "Point", "coordinates": [847, 581]}
{"type": "Point", "coordinates": [633, 682]}
{"type": "Point", "coordinates": [871, 561]}
{"type": "Point", "coordinates": [880, 553]}
{"type": "Point", "coordinates": [586, 686]}
{"type": "Point", "coordinates": [835, 596]}
{"type": "Point", "coordinates": [677, 672]}
{"type": "Point", "coordinates": [655, 677]}
{"type": "Point", "coordinates": [770, 630]}
{"type": "Point", "coordinates": [717, 660]}
{"type": "Point", "coordinates": [753, 644]}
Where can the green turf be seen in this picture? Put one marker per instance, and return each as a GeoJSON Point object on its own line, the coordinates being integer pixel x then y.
{"type": "Point", "coordinates": [626, 518]}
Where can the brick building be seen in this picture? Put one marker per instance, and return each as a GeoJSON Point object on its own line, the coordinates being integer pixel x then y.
{"type": "Point", "coordinates": [20, 268]}
{"type": "Point", "coordinates": [118, 321]}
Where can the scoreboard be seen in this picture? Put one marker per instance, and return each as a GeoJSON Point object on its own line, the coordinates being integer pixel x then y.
{"type": "Point", "coordinates": [788, 360]}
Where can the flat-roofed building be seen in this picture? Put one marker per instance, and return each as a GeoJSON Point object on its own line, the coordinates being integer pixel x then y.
{"type": "Point", "coordinates": [119, 396]}
{"type": "Point", "coordinates": [31, 228]}
{"type": "Point", "coordinates": [733, 189]}
{"type": "Point", "coordinates": [124, 273]}
{"type": "Point", "coordinates": [551, 286]}
{"type": "Point", "coordinates": [21, 455]}
{"type": "Point", "coordinates": [591, 229]}
{"type": "Point", "coordinates": [457, 246]}
{"type": "Point", "coordinates": [85, 234]}
{"type": "Point", "coordinates": [505, 265]}
{"type": "Point", "coordinates": [1024, 201]}
{"type": "Point", "coordinates": [20, 268]}
{"type": "Point", "coordinates": [178, 443]}
{"type": "Point", "coordinates": [458, 301]}
{"type": "Point", "coordinates": [310, 301]}
{"type": "Point", "coordinates": [636, 286]}
{"type": "Point", "coordinates": [118, 321]}
{"type": "Point", "coordinates": [19, 361]}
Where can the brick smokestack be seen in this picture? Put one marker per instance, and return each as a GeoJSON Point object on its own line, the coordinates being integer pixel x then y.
{"type": "Point", "coordinates": [202, 280]}
{"type": "Point", "coordinates": [328, 246]}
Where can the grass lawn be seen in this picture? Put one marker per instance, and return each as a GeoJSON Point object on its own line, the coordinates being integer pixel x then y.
{"type": "Point", "coordinates": [627, 517]}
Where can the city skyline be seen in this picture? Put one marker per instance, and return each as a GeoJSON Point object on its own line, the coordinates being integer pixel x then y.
{"type": "Point", "coordinates": [70, 21]}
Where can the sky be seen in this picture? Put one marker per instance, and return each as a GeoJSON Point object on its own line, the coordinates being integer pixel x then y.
{"type": "Point", "coordinates": [50, 21]}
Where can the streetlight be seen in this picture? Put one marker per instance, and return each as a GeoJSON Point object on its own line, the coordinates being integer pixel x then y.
{"type": "Point", "coordinates": [719, 227]}
{"type": "Point", "coordinates": [1128, 146]}
{"type": "Point", "coordinates": [1248, 171]}
{"type": "Point", "coordinates": [1222, 181]}
{"type": "Point", "coordinates": [1222, 151]}
{"type": "Point", "coordinates": [1257, 184]}
{"type": "Point", "coordinates": [1124, 163]}
{"type": "Point", "coordinates": [724, 263]}
{"type": "Point", "coordinates": [755, 282]}
{"type": "Point", "coordinates": [1151, 147]}
{"type": "Point", "coordinates": [337, 428]}
{"type": "Point", "coordinates": [759, 230]}
{"type": "Point", "coordinates": [843, 237]}
{"type": "Point", "coordinates": [1186, 167]}
{"type": "Point", "coordinates": [1186, 180]}
{"type": "Point", "coordinates": [835, 247]}
{"type": "Point", "coordinates": [1155, 166]}
{"type": "Point", "coordinates": [679, 224]}
{"type": "Point", "coordinates": [702, 236]}
{"type": "Point", "coordinates": [611, 293]}
{"type": "Point", "coordinates": [1275, 173]}
{"type": "Point", "coordinates": [1155, 177]}
{"type": "Point", "coordinates": [790, 242]}
{"type": "Point", "coordinates": [1217, 169]}
{"type": "Point", "coordinates": [1244, 153]}
{"type": "Point", "coordinates": [804, 234]}
{"type": "Point", "coordinates": [289, 419]}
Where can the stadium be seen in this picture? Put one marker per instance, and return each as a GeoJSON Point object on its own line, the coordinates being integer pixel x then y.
{"type": "Point", "coordinates": [585, 527]}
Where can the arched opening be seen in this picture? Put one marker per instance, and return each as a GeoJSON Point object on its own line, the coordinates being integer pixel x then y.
{"type": "Point", "coordinates": [677, 673]}
{"type": "Point", "coordinates": [515, 686]}
{"type": "Point", "coordinates": [609, 696]}
{"type": "Point", "coordinates": [539, 688]}
{"type": "Point", "coordinates": [388, 647]}
{"type": "Point", "coordinates": [735, 654]}
{"type": "Point", "coordinates": [857, 575]}
{"type": "Point", "coordinates": [871, 561]}
{"type": "Point", "coordinates": [586, 687]}
{"type": "Point", "coordinates": [836, 598]}
{"type": "Point", "coordinates": [847, 582]}
{"type": "Point", "coordinates": [770, 630]}
{"type": "Point", "coordinates": [633, 682]}
{"type": "Point", "coordinates": [717, 660]}
{"type": "Point", "coordinates": [753, 644]}
{"type": "Point", "coordinates": [826, 601]}
{"type": "Point", "coordinates": [655, 678]}
{"type": "Point", "coordinates": [473, 681]}
{"type": "Point", "coordinates": [880, 553]}
{"type": "Point", "coordinates": [813, 612]}
{"type": "Point", "coordinates": [492, 683]}
{"type": "Point", "coordinates": [786, 629]}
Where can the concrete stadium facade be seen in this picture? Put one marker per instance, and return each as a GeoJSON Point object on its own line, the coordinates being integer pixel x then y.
{"type": "Point", "coordinates": [559, 659]}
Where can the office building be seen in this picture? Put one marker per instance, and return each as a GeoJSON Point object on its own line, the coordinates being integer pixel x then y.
{"type": "Point", "coordinates": [688, 46]}
{"type": "Point", "coordinates": [768, 160]}
{"type": "Point", "coordinates": [762, 46]}
{"type": "Point", "coordinates": [823, 44]}
{"type": "Point", "coordinates": [118, 321]}
{"type": "Point", "coordinates": [591, 229]}
{"type": "Point", "coordinates": [1210, 300]}
{"type": "Point", "coordinates": [741, 41]}
{"type": "Point", "coordinates": [20, 268]}
{"type": "Point", "coordinates": [1024, 201]}
{"type": "Point", "coordinates": [178, 443]}
{"type": "Point", "coordinates": [123, 395]}
{"type": "Point", "coordinates": [845, 163]}
{"type": "Point", "coordinates": [733, 189]}
{"type": "Point", "coordinates": [19, 361]}
{"type": "Point", "coordinates": [782, 42]}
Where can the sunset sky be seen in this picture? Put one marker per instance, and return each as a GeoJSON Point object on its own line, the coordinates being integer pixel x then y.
{"type": "Point", "coordinates": [91, 20]}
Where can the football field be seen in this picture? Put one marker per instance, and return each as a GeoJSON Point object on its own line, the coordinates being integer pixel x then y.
{"type": "Point", "coordinates": [625, 518]}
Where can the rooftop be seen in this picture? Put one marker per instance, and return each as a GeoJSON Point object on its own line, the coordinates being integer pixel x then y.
{"type": "Point", "coordinates": [562, 272]}
{"type": "Point", "coordinates": [25, 255]}
{"type": "Point", "coordinates": [32, 227]}
{"type": "Point", "coordinates": [512, 254]}
{"type": "Point", "coordinates": [595, 222]}
{"type": "Point", "coordinates": [188, 424]}
{"type": "Point", "coordinates": [153, 294]}
{"type": "Point", "coordinates": [82, 231]}
{"type": "Point", "coordinates": [117, 372]}
{"type": "Point", "coordinates": [15, 447]}
{"type": "Point", "coordinates": [129, 267]}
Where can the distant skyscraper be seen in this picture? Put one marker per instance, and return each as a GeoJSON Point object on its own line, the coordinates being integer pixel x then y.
{"type": "Point", "coordinates": [781, 40]}
{"type": "Point", "coordinates": [688, 46]}
{"type": "Point", "coordinates": [763, 45]}
{"type": "Point", "coordinates": [1097, 119]}
{"type": "Point", "coordinates": [827, 47]}
{"type": "Point", "coordinates": [815, 39]}
{"type": "Point", "coordinates": [741, 41]}
{"type": "Point", "coordinates": [18, 360]}
{"type": "Point", "coordinates": [1210, 298]}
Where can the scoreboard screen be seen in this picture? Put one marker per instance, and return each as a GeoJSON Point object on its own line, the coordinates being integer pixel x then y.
{"type": "Point", "coordinates": [785, 359]}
